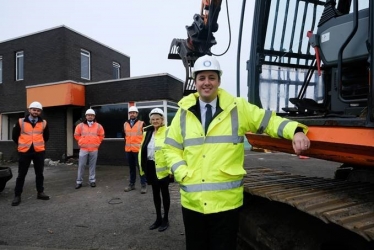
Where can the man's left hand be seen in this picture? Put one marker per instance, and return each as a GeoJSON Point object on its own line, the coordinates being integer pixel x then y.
{"type": "Point", "coordinates": [300, 143]}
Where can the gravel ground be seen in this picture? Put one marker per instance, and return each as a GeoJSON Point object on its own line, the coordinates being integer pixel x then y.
{"type": "Point", "coordinates": [105, 217]}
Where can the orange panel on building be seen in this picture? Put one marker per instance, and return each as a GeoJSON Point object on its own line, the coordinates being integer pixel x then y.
{"type": "Point", "coordinates": [57, 94]}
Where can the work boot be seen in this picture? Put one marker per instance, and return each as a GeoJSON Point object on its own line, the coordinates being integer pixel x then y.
{"type": "Point", "coordinates": [143, 190]}
{"type": "Point", "coordinates": [156, 224]}
{"type": "Point", "coordinates": [129, 188]}
{"type": "Point", "coordinates": [42, 196]}
{"type": "Point", "coordinates": [16, 201]}
{"type": "Point", "coordinates": [164, 225]}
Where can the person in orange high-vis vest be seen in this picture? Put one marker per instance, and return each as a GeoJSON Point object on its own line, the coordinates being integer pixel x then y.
{"type": "Point", "coordinates": [89, 135]}
{"type": "Point", "coordinates": [133, 134]}
{"type": "Point", "coordinates": [30, 133]}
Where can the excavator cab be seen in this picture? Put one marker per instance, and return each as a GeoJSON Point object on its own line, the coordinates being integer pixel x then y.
{"type": "Point", "coordinates": [313, 58]}
{"type": "Point", "coordinates": [311, 61]}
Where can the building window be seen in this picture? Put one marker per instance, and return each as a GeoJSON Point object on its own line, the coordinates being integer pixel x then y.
{"type": "Point", "coordinates": [113, 116]}
{"type": "Point", "coordinates": [1, 69]}
{"type": "Point", "coordinates": [85, 64]}
{"type": "Point", "coordinates": [19, 65]}
{"type": "Point", "coordinates": [116, 70]}
{"type": "Point", "coordinates": [8, 121]}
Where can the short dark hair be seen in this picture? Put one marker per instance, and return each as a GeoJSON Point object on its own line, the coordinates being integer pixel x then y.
{"type": "Point", "coordinates": [218, 73]}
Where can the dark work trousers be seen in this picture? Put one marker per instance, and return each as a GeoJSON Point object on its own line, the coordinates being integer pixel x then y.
{"type": "Point", "coordinates": [160, 186]}
{"type": "Point", "coordinates": [23, 166]}
{"type": "Point", "coordinates": [132, 159]}
{"type": "Point", "coordinates": [216, 231]}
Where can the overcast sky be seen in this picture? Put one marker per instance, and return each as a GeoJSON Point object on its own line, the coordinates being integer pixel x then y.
{"type": "Point", "coordinates": [143, 30]}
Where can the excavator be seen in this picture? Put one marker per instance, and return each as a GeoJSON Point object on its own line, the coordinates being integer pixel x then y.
{"type": "Point", "coordinates": [310, 61]}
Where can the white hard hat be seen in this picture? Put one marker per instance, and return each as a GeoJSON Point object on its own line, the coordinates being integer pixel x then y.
{"type": "Point", "coordinates": [36, 105]}
{"type": "Point", "coordinates": [133, 109]}
{"type": "Point", "coordinates": [90, 112]}
{"type": "Point", "coordinates": [156, 111]}
{"type": "Point", "coordinates": [206, 63]}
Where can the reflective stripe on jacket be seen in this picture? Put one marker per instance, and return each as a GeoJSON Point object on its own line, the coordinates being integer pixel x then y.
{"type": "Point", "coordinates": [89, 138]}
{"type": "Point", "coordinates": [209, 168]}
{"type": "Point", "coordinates": [161, 167]}
{"type": "Point", "coordinates": [31, 136]}
{"type": "Point", "coordinates": [133, 136]}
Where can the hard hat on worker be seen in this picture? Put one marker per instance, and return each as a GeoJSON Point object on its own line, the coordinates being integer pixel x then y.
{"type": "Point", "coordinates": [36, 105]}
{"type": "Point", "coordinates": [133, 109]}
{"type": "Point", "coordinates": [156, 111]}
{"type": "Point", "coordinates": [205, 63]}
{"type": "Point", "coordinates": [90, 112]}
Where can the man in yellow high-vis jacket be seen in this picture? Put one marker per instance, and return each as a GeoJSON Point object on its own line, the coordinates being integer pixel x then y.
{"type": "Point", "coordinates": [204, 148]}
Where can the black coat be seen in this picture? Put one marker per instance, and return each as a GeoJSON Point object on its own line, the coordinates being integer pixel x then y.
{"type": "Point", "coordinates": [149, 171]}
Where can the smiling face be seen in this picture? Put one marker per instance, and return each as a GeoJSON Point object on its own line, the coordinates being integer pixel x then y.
{"type": "Point", "coordinates": [207, 84]}
{"type": "Point", "coordinates": [157, 120]}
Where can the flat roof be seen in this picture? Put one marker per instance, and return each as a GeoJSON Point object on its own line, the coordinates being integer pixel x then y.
{"type": "Point", "coordinates": [63, 26]}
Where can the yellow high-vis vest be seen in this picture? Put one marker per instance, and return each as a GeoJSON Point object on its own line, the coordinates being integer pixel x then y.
{"type": "Point", "coordinates": [162, 170]}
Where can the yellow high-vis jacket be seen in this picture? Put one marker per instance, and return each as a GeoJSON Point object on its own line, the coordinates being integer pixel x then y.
{"type": "Point", "coordinates": [162, 170]}
{"type": "Point", "coordinates": [209, 168]}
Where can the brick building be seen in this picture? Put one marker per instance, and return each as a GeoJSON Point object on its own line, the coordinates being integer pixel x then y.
{"type": "Point", "coordinates": [68, 72]}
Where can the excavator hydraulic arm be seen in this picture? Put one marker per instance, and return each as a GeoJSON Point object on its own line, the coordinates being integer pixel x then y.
{"type": "Point", "coordinates": [199, 40]}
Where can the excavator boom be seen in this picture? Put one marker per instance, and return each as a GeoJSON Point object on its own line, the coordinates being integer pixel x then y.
{"type": "Point", "coordinates": [199, 40]}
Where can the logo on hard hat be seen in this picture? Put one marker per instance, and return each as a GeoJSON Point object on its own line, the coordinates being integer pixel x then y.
{"type": "Point", "coordinates": [207, 63]}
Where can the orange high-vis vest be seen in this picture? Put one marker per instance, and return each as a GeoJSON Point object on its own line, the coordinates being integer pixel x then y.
{"type": "Point", "coordinates": [134, 136]}
{"type": "Point", "coordinates": [89, 138]}
{"type": "Point", "coordinates": [31, 136]}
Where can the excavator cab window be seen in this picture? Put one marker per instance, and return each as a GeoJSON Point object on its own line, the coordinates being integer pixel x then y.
{"type": "Point", "coordinates": [311, 58]}
{"type": "Point", "coordinates": [285, 61]}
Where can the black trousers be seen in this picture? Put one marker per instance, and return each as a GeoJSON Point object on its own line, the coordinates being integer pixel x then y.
{"type": "Point", "coordinates": [216, 231]}
{"type": "Point", "coordinates": [159, 186]}
{"type": "Point", "coordinates": [23, 167]}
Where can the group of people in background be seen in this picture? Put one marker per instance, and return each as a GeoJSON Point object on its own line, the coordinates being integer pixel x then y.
{"type": "Point", "coordinates": [31, 133]}
{"type": "Point", "coordinates": [202, 149]}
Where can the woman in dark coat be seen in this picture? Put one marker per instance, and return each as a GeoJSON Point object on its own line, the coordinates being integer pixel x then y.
{"type": "Point", "coordinates": [153, 164]}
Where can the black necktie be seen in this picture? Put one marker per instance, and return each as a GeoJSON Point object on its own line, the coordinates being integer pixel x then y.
{"type": "Point", "coordinates": [208, 116]}
{"type": "Point", "coordinates": [33, 121]}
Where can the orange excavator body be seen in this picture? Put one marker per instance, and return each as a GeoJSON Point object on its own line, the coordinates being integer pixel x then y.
{"type": "Point", "coordinates": [351, 145]}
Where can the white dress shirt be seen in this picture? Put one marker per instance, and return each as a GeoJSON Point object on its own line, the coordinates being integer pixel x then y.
{"type": "Point", "coordinates": [151, 148]}
{"type": "Point", "coordinates": [203, 110]}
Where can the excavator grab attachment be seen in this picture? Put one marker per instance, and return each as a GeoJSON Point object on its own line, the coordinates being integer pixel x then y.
{"type": "Point", "coordinates": [199, 40]}
{"type": "Point", "coordinates": [180, 51]}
